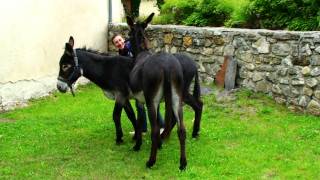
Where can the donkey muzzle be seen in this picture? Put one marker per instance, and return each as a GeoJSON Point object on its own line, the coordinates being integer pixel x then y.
{"type": "Point", "coordinates": [62, 86]}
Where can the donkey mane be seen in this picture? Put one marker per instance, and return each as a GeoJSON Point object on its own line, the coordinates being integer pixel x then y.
{"type": "Point", "coordinates": [105, 57]}
{"type": "Point", "coordinates": [94, 51]}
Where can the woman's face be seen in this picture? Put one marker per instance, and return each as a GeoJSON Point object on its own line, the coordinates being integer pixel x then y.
{"type": "Point", "coordinates": [118, 41]}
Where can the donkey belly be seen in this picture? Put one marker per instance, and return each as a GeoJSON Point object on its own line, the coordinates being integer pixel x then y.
{"type": "Point", "coordinates": [139, 96]}
{"type": "Point", "coordinates": [109, 94]}
{"type": "Point", "coordinates": [116, 95]}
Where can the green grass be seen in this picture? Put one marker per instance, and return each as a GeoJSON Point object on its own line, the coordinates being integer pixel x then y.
{"type": "Point", "coordinates": [70, 138]}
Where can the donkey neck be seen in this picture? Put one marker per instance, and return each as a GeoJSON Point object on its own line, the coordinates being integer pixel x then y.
{"type": "Point", "coordinates": [141, 57]}
{"type": "Point", "coordinates": [92, 65]}
{"type": "Point", "coordinates": [103, 70]}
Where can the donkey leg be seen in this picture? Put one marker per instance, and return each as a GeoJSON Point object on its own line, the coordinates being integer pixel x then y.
{"type": "Point", "coordinates": [137, 127]}
{"type": "Point", "coordinates": [182, 138]}
{"type": "Point", "coordinates": [116, 118]}
{"type": "Point", "coordinates": [130, 113]}
{"type": "Point", "coordinates": [197, 120]}
{"type": "Point", "coordinates": [169, 117]}
{"type": "Point", "coordinates": [169, 124]}
{"type": "Point", "coordinates": [178, 113]}
{"type": "Point", "coordinates": [196, 105]}
{"type": "Point", "coordinates": [155, 134]}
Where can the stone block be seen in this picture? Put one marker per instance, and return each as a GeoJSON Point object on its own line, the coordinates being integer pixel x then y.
{"type": "Point", "coordinates": [193, 50]}
{"type": "Point", "coordinates": [297, 82]}
{"type": "Point", "coordinates": [265, 68]}
{"type": "Point", "coordinates": [284, 81]}
{"type": "Point", "coordinates": [315, 60]}
{"type": "Point", "coordinates": [208, 42]}
{"type": "Point", "coordinates": [174, 49]}
{"type": "Point", "coordinates": [302, 60]}
{"type": "Point", "coordinates": [250, 67]}
{"type": "Point", "coordinates": [280, 100]}
{"type": "Point", "coordinates": [168, 38]}
{"type": "Point", "coordinates": [279, 35]}
{"type": "Point", "coordinates": [263, 86]}
{"type": "Point", "coordinates": [276, 89]}
{"type": "Point", "coordinates": [187, 41]}
{"type": "Point", "coordinates": [231, 72]}
{"type": "Point", "coordinates": [207, 51]}
{"type": "Point", "coordinates": [307, 91]}
{"type": "Point", "coordinates": [257, 76]}
{"type": "Point", "coordinates": [218, 40]}
{"type": "Point", "coordinates": [293, 71]}
{"type": "Point", "coordinates": [317, 49]}
{"type": "Point", "coordinates": [303, 101]}
{"type": "Point", "coordinates": [287, 62]}
{"type": "Point", "coordinates": [317, 94]}
{"type": "Point", "coordinates": [315, 72]}
{"type": "Point", "coordinates": [312, 82]}
{"type": "Point", "coordinates": [281, 49]}
{"type": "Point", "coordinates": [262, 45]}
{"type": "Point", "coordinates": [272, 77]}
{"type": "Point", "coordinates": [219, 50]}
{"type": "Point", "coordinates": [306, 71]}
{"type": "Point", "coordinates": [245, 56]}
{"type": "Point", "coordinates": [314, 107]}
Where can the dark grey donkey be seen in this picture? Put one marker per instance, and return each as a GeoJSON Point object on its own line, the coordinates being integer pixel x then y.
{"type": "Point", "coordinates": [157, 76]}
{"type": "Point", "coordinates": [190, 72]}
{"type": "Point", "coordinates": [110, 73]}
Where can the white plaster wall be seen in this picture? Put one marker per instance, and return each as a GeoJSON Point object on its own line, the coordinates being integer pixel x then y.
{"type": "Point", "coordinates": [32, 38]}
{"type": "Point", "coordinates": [117, 11]}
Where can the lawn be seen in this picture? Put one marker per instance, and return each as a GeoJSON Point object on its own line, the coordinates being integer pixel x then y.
{"type": "Point", "coordinates": [65, 137]}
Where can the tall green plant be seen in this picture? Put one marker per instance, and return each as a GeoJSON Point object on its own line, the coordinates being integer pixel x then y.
{"type": "Point", "coordinates": [178, 9]}
{"type": "Point", "coordinates": [209, 13]}
{"type": "Point", "coordinates": [283, 14]}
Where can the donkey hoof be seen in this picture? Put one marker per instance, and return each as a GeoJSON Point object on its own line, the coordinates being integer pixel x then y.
{"type": "Point", "coordinates": [136, 148]}
{"type": "Point", "coordinates": [182, 167]}
{"type": "Point", "coordinates": [119, 141]}
{"type": "Point", "coordinates": [134, 137]}
{"type": "Point", "coordinates": [195, 135]}
{"type": "Point", "coordinates": [149, 164]}
{"type": "Point", "coordinates": [183, 164]}
{"type": "Point", "coordinates": [163, 135]}
{"type": "Point", "coordinates": [160, 145]}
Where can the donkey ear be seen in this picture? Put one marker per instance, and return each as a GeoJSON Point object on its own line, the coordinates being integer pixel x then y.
{"type": "Point", "coordinates": [71, 41]}
{"type": "Point", "coordinates": [68, 48]}
{"type": "Point", "coordinates": [148, 20]}
{"type": "Point", "coordinates": [130, 21]}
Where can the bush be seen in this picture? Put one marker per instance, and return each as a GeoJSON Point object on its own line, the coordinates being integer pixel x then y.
{"type": "Point", "coordinates": [269, 14]}
{"type": "Point", "coordinates": [238, 15]}
{"type": "Point", "coordinates": [179, 10]}
{"type": "Point", "coordinates": [284, 14]}
{"type": "Point", "coordinates": [209, 13]}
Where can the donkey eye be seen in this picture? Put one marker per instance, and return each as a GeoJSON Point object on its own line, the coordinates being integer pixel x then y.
{"type": "Point", "coordinates": [65, 67]}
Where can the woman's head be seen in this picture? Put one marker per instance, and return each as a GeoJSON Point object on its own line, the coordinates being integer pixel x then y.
{"type": "Point", "coordinates": [118, 41]}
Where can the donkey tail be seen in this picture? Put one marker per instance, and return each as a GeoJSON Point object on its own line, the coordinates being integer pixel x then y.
{"type": "Point", "coordinates": [167, 89]}
{"type": "Point", "coordinates": [196, 89]}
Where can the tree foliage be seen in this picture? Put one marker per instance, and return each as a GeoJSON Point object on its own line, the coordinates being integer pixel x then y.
{"type": "Point", "coordinates": [270, 14]}
{"type": "Point", "coordinates": [131, 7]}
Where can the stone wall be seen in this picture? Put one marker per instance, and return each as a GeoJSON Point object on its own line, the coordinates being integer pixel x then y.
{"type": "Point", "coordinates": [283, 64]}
